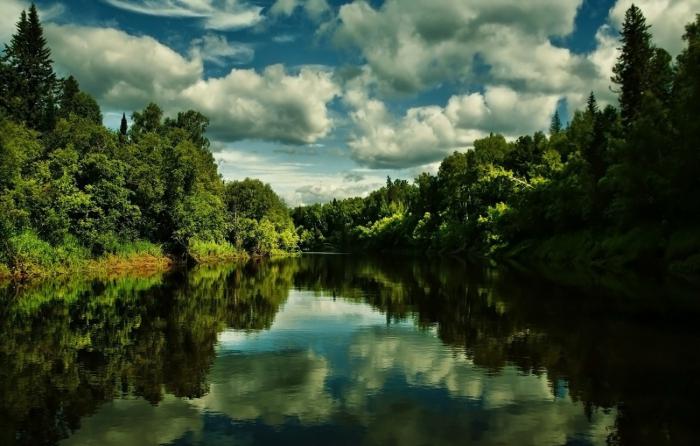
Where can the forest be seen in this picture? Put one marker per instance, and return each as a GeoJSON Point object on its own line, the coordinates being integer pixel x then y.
{"type": "Point", "coordinates": [72, 190]}
{"type": "Point", "coordinates": [616, 187]}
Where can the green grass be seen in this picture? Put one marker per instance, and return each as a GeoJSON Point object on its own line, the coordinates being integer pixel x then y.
{"type": "Point", "coordinates": [138, 248]}
{"type": "Point", "coordinates": [27, 256]}
{"type": "Point", "coordinates": [203, 251]}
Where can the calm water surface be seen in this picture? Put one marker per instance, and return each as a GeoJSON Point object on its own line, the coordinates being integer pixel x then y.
{"type": "Point", "coordinates": [348, 350]}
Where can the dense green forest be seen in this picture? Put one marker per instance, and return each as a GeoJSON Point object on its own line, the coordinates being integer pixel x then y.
{"type": "Point", "coordinates": [73, 190]}
{"type": "Point", "coordinates": [613, 187]}
{"type": "Point", "coordinates": [616, 186]}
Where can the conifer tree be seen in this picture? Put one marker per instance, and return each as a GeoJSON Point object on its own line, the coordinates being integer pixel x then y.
{"type": "Point", "coordinates": [29, 78]}
{"type": "Point", "coordinates": [555, 126]}
{"type": "Point", "coordinates": [631, 72]}
{"type": "Point", "coordinates": [592, 105]}
{"type": "Point", "coordinates": [124, 127]}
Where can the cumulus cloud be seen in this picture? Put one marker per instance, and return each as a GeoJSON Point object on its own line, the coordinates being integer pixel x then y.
{"type": "Point", "coordinates": [411, 45]}
{"type": "Point", "coordinates": [270, 105]}
{"type": "Point", "coordinates": [214, 14]}
{"type": "Point", "coordinates": [427, 134]}
{"type": "Point", "coordinates": [9, 13]}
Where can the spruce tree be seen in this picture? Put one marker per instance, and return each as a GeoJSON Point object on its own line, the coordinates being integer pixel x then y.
{"type": "Point", "coordinates": [631, 72]}
{"type": "Point", "coordinates": [124, 127]}
{"type": "Point", "coordinates": [592, 105]}
{"type": "Point", "coordinates": [555, 126]}
{"type": "Point", "coordinates": [29, 78]}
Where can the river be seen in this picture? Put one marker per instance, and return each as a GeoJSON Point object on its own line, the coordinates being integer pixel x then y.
{"type": "Point", "coordinates": [350, 350]}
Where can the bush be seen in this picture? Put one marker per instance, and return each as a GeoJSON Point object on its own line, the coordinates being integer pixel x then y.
{"type": "Point", "coordinates": [203, 251]}
{"type": "Point", "coordinates": [28, 255]}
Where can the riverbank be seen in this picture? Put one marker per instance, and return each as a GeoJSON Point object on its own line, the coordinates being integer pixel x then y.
{"type": "Point", "coordinates": [36, 261]}
{"type": "Point", "coordinates": [139, 260]}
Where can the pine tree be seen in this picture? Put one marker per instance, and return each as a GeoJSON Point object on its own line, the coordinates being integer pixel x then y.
{"type": "Point", "coordinates": [555, 126]}
{"type": "Point", "coordinates": [592, 105]}
{"type": "Point", "coordinates": [631, 72]}
{"type": "Point", "coordinates": [29, 78]}
{"type": "Point", "coordinates": [124, 126]}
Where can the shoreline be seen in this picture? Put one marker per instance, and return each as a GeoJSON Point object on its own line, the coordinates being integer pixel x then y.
{"type": "Point", "coordinates": [138, 265]}
{"type": "Point", "coordinates": [113, 266]}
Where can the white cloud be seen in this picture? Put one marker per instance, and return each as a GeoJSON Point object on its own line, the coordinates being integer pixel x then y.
{"type": "Point", "coordinates": [9, 14]}
{"type": "Point", "coordinates": [268, 105]}
{"type": "Point", "coordinates": [314, 8]}
{"type": "Point", "coordinates": [271, 105]}
{"type": "Point", "coordinates": [667, 17]}
{"type": "Point", "coordinates": [412, 44]}
{"type": "Point", "coordinates": [218, 50]}
{"type": "Point", "coordinates": [427, 134]}
{"type": "Point", "coordinates": [215, 14]}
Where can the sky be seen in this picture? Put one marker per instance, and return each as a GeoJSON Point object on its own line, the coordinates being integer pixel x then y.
{"type": "Point", "coordinates": [326, 98]}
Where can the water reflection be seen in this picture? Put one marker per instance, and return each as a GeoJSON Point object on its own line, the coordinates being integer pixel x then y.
{"type": "Point", "coordinates": [347, 350]}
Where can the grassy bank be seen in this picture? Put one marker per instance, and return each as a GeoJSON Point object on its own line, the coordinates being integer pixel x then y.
{"type": "Point", "coordinates": [27, 257]}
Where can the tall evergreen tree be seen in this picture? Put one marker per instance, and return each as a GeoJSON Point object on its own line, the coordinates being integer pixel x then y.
{"type": "Point", "coordinates": [631, 72]}
{"type": "Point", "coordinates": [555, 126]}
{"type": "Point", "coordinates": [30, 78]}
{"type": "Point", "coordinates": [124, 127]}
{"type": "Point", "coordinates": [33, 80]}
{"type": "Point", "coordinates": [592, 105]}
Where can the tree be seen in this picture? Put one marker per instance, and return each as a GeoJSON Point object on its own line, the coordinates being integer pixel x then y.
{"type": "Point", "coordinates": [124, 127]}
{"type": "Point", "coordinates": [631, 72]}
{"type": "Point", "coordinates": [661, 76]}
{"type": "Point", "coordinates": [147, 121]}
{"type": "Point", "coordinates": [592, 105]}
{"type": "Point", "coordinates": [194, 125]}
{"type": "Point", "coordinates": [29, 79]}
{"type": "Point", "coordinates": [555, 126]}
{"type": "Point", "coordinates": [78, 103]}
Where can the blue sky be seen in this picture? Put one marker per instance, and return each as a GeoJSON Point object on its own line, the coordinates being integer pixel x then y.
{"type": "Point", "coordinates": [325, 98]}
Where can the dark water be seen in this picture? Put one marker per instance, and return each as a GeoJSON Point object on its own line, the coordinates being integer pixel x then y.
{"type": "Point", "coordinates": [346, 350]}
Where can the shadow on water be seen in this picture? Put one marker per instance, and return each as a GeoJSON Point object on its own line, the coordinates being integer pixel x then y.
{"type": "Point", "coordinates": [85, 351]}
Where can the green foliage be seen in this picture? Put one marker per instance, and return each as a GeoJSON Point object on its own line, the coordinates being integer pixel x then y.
{"type": "Point", "coordinates": [72, 190]}
{"type": "Point", "coordinates": [28, 91]}
{"type": "Point", "coordinates": [78, 103]}
{"type": "Point", "coordinates": [260, 220]}
{"type": "Point", "coordinates": [608, 189]}
{"type": "Point", "coordinates": [203, 251]}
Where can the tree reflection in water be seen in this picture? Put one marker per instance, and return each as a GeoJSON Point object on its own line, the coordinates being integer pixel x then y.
{"type": "Point", "coordinates": [70, 350]}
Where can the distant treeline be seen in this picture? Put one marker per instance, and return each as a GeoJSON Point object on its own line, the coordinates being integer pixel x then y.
{"type": "Point", "coordinates": [616, 186]}
{"type": "Point", "coordinates": [72, 190]}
